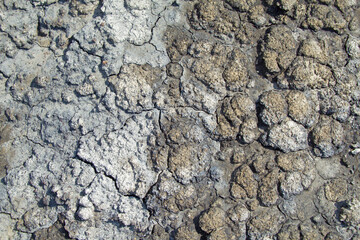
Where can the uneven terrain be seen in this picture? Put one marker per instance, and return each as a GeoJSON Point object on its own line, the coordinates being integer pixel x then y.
{"type": "Point", "coordinates": [175, 119]}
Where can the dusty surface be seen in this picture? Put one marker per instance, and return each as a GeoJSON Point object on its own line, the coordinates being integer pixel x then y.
{"type": "Point", "coordinates": [180, 119]}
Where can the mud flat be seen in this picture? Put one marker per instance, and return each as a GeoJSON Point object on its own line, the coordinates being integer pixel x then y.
{"type": "Point", "coordinates": [158, 119]}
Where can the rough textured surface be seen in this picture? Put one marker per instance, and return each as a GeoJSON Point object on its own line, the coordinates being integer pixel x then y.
{"type": "Point", "coordinates": [350, 213]}
{"type": "Point", "coordinates": [179, 119]}
{"type": "Point", "coordinates": [288, 137]}
{"type": "Point", "coordinates": [279, 49]}
{"type": "Point", "coordinates": [328, 137]}
{"type": "Point", "coordinates": [299, 172]}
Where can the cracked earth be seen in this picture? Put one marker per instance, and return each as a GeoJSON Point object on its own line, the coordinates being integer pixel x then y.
{"type": "Point", "coordinates": [180, 119]}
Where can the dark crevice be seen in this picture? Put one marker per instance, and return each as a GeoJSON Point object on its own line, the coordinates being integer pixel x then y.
{"type": "Point", "coordinates": [203, 234]}
{"type": "Point", "coordinates": [83, 49]}
{"type": "Point", "coordinates": [8, 214]}
{"type": "Point", "coordinates": [151, 187]}
{"type": "Point", "coordinates": [59, 225]}
{"type": "Point", "coordinates": [97, 171]}
{"type": "Point", "coordinates": [98, 12]}
{"type": "Point", "coordinates": [3, 75]}
{"type": "Point", "coordinates": [34, 142]}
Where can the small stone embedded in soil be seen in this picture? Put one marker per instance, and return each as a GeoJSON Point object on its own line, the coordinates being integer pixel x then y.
{"type": "Point", "coordinates": [212, 219]}
{"type": "Point", "coordinates": [301, 109]}
{"type": "Point", "coordinates": [288, 137]}
{"type": "Point", "coordinates": [307, 73]}
{"type": "Point", "coordinates": [349, 214]}
{"type": "Point", "coordinates": [244, 177]}
{"type": "Point", "coordinates": [299, 172]}
{"type": "Point", "coordinates": [336, 190]}
{"type": "Point", "coordinates": [328, 137]}
{"type": "Point", "coordinates": [274, 107]}
{"type": "Point", "coordinates": [279, 49]}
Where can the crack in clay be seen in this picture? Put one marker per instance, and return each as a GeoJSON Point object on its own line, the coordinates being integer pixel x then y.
{"type": "Point", "coordinates": [99, 172]}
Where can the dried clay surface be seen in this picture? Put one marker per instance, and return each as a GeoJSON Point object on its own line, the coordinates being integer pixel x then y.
{"type": "Point", "coordinates": [180, 119]}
